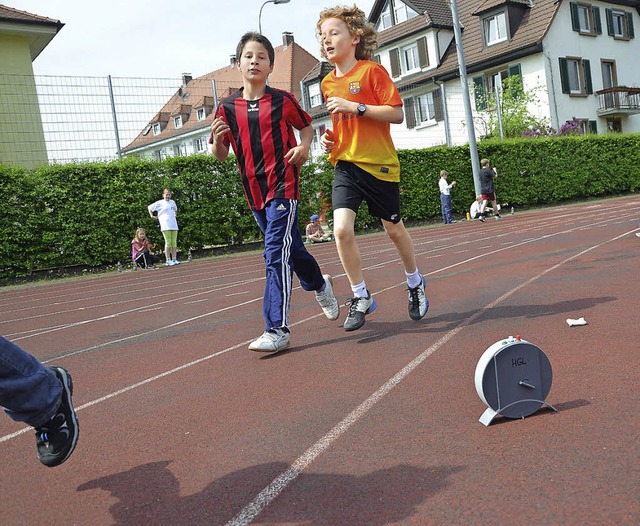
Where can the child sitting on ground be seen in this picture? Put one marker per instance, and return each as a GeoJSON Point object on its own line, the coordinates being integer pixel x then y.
{"type": "Point", "coordinates": [141, 250]}
{"type": "Point", "coordinates": [314, 232]}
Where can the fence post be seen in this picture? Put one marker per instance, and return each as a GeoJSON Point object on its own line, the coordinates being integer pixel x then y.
{"type": "Point", "coordinates": [115, 119]}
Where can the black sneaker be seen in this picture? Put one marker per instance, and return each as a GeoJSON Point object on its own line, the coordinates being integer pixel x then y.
{"type": "Point", "coordinates": [482, 218]}
{"type": "Point", "coordinates": [358, 307]}
{"type": "Point", "coordinates": [418, 302]}
{"type": "Point", "coordinates": [56, 440]}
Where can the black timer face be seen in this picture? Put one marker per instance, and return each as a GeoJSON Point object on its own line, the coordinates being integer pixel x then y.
{"type": "Point", "coordinates": [513, 377]}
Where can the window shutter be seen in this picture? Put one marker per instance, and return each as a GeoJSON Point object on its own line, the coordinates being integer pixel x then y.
{"type": "Point", "coordinates": [596, 19]}
{"type": "Point", "coordinates": [438, 106]}
{"type": "Point", "coordinates": [587, 75]}
{"type": "Point", "coordinates": [394, 56]}
{"type": "Point", "coordinates": [376, 58]}
{"type": "Point", "coordinates": [564, 75]}
{"type": "Point", "coordinates": [517, 70]}
{"type": "Point", "coordinates": [423, 53]}
{"type": "Point", "coordinates": [609, 17]}
{"type": "Point", "coordinates": [593, 127]}
{"type": "Point", "coordinates": [630, 24]}
{"type": "Point", "coordinates": [479, 93]}
{"type": "Point", "coordinates": [575, 23]}
{"type": "Point", "coordinates": [410, 113]}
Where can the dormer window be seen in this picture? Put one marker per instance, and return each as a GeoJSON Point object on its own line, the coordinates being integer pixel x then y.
{"type": "Point", "coordinates": [201, 114]}
{"type": "Point", "coordinates": [394, 12]}
{"type": "Point", "coordinates": [177, 122]}
{"type": "Point", "coordinates": [156, 128]}
{"type": "Point", "coordinates": [315, 97]}
{"type": "Point", "coordinates": [402, 11]}
{"type": "Point", "coordinates": [495, 28]}
{"type": "Point", "coordinates": [410, 58]}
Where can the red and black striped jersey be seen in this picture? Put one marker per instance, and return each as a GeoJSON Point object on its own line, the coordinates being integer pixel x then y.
{"type": "Point", "coordinates": [261, 134]}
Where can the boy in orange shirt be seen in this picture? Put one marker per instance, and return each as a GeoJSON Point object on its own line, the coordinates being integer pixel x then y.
{"type": "Point", "coordinates": [363, 101]}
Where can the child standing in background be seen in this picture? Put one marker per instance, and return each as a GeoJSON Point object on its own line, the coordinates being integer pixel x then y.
{"type": "Point", "coordinates": [363, 101]}
{"type": "Point", "coordinates": [166, 210]}
{"type": "Point", "coordinates": [487, 175]}
{"type": "Point", "coordinates": [445, 197]}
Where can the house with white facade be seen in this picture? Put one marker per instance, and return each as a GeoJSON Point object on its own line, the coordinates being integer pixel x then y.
{"type": "Point", "coordinates": [578, 57]}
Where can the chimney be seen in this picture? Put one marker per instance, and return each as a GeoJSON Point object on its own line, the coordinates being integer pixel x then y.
{"type": "Point", "coordinates": [233, 61]}
{"type": "Point", "coordinates": [186, 78]}
{"type": "Point", "coordinates": [287, 38]}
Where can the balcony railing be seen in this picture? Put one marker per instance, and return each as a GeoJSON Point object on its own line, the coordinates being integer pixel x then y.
{"type": "Point", "coordinates": [618, 100]}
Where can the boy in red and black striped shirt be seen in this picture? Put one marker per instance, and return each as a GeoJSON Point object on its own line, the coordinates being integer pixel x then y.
{"type": "Point", "coordinates": [257, 122]}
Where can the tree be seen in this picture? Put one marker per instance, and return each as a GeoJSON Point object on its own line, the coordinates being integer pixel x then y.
{"type": "Point", "coordinates": [514, 110]}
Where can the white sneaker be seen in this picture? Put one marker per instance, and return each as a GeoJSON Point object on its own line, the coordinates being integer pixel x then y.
{"type": "Point", "coordinates": [327, 299]}
{"type": "Point", "coordinates": [176, 262]}
{"type": "Point", "coordinates": [273, 340]}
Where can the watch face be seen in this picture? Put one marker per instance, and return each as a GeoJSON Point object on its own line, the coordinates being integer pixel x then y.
{"type": "Point", "coordinates": [361, 109]}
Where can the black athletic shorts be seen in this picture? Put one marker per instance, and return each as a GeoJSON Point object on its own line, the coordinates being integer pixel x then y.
{"type": "Point", "coordinates": [352, 185]}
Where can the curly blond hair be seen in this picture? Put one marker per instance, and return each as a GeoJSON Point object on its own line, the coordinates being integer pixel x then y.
{"type": "Point", "coordinates": [357, 23]}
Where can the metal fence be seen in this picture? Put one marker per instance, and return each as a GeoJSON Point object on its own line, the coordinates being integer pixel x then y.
{"type": "Point", "coordinates": [56, 119]}
{"type": "Point", "coordinates": [75, 118]}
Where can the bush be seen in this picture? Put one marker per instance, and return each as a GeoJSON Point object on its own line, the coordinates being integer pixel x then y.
{"type": "Point", "coordinates": [86, 213]}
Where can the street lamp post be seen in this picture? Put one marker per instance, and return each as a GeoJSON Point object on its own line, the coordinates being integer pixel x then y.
{"type": "Point", "coordinates": [466, 99]}
{"type": "Point", "coordinates": [260, 14]}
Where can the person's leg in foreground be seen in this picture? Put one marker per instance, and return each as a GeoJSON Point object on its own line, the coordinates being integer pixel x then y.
{"type": "Point", "coordinates": [416, 282]}
{"type": "Point", "coordinates": [41, 397]}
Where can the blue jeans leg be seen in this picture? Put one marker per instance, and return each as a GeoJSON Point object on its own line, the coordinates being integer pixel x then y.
{"type": "Point", "coordinates": [29, 391]}
{"type": "Point", "coordinates": [447, 208]}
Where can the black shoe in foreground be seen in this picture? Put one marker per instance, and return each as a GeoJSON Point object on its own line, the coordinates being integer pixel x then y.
{"type": "Point", "coordinates": [418, 302]}
{"type": "Point", "coordinates": [358, 307]}
{"type": "Point", "coordinates": [56, 440]}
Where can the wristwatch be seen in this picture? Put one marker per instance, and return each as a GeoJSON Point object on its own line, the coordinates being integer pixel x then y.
{"type": "Point", "coordinates": [361, 109]}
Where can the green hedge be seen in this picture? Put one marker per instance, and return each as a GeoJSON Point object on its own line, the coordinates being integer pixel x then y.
{"type": "Point", "coordinates": [86, 214]}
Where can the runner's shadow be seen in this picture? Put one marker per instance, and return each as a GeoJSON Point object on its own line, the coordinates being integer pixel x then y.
{"type": "Point", "coordinates": [150, 494]}
{"type": "Point", "coordinates": [375, 330]}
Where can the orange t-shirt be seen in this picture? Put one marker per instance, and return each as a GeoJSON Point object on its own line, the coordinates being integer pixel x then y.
{"type": "Point", "coordinates": [365, 142]}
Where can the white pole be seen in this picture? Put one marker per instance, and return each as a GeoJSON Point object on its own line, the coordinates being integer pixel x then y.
{"type": "Point", "coordinates": [471, 133]}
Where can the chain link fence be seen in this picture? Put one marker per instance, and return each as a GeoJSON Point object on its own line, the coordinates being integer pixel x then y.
{"type": "Point", "coordinates": [56, 119]}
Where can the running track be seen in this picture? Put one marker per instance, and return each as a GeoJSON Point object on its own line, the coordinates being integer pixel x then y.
{"type": "Point", "coordinates": [181, 424]}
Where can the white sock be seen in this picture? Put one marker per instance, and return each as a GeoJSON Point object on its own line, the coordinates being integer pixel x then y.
{"type": "Point", "coordinates": [360, 290]}
{"type": "Point", "coordinates": [414, 279]}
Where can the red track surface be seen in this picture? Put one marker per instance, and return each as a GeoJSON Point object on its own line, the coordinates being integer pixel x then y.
{"type": "Point", "coordinates": [181, 424]}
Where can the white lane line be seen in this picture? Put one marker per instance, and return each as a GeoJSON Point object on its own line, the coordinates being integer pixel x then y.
{"type": "Point", "coordinates": [277, 485]}
{"type": "Point", "coordinates": [419, 359]}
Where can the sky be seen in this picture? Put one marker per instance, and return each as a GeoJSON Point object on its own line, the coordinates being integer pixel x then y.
{"type": "Point", "coordinates": [165, 38]}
